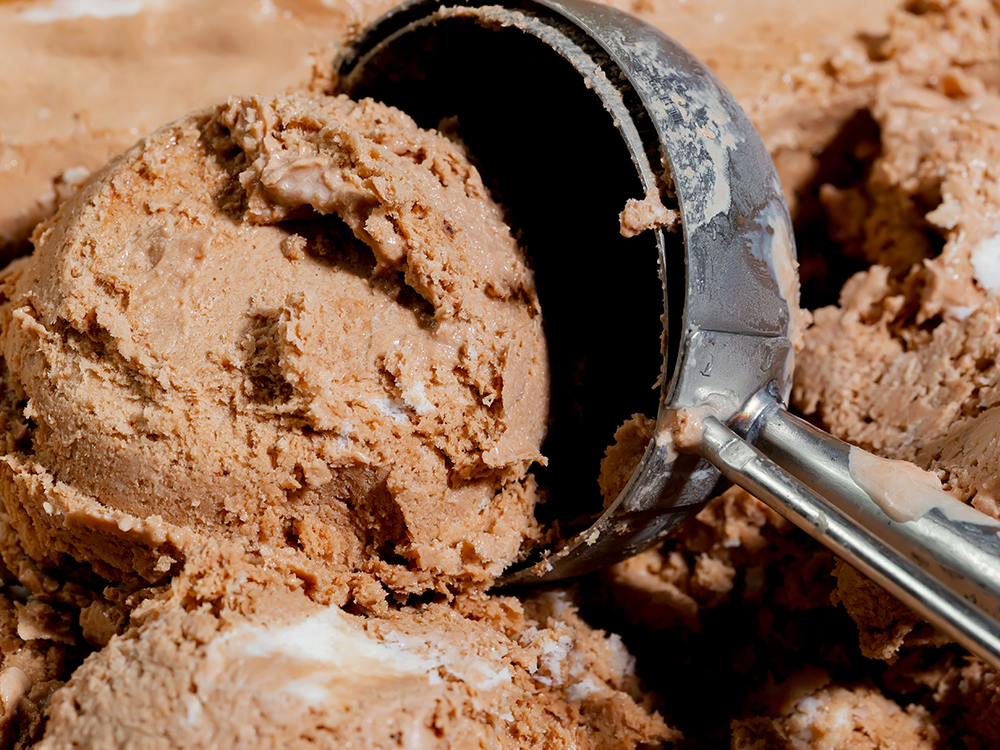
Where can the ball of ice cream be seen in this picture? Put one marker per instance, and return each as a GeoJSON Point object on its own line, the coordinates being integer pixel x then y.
{"type": "Point", "coordinates": [296, 323]}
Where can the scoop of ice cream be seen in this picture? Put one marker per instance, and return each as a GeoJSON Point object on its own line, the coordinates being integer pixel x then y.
{"type": "Point", "coordinates": [297, 322]}
{"type": "Point", "coordinates": [268, 667]}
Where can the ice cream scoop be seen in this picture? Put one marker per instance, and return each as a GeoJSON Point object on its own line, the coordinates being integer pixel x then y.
{"type": "Point", "coordinates": [503, 74]}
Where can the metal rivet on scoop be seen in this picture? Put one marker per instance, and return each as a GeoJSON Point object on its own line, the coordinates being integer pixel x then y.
{"type": "Point", "coordinates": [575, 108]}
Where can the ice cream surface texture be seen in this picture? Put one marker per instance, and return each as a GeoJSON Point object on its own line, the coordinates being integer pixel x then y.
{"type": "Point", "coordinates": [895, 208]}
{"type": "Point", "coordinates": [296, 322]}
{"type": "Point", "coordinates": [295, 358]}
{"type": "Point", "coordinates": [268, 667]}
{"type": "Point", "coordinates": [883, 128]}
{"type": "Point", "coordinates": [84, 79]}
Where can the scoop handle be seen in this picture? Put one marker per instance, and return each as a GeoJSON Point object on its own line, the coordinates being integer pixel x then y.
{"type": "Point", "coordinates": [947, 572]}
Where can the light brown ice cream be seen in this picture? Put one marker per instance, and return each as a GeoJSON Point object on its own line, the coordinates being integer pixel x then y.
{"type": "Point", "coordinates": [900, 179]}
{"type": "Point", "coordinates": [316, 355]}
{"type": "Point", "coordinates": [33, 668]}
{"type": "Point", "coordinates": [264, 666]}
{"type": "Point", "coordinates": [83, 80]}
{"type": "Point", "coordinates": [810, 712]}
{"type": "Point", "coordinates": [905, 366]}
{"type": "Point", "coordinates": [883, 133]}
{"type": "Point", "coordinates": [297, 322]}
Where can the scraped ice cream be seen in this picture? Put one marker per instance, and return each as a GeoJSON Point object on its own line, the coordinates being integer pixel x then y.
{"type": "Point", "coordinates": [918, 380]}
{"type": "Point", "coordinates": [883, 129]}
{"type": "Point", "coordinates": [898, 185]}
{"type": "Point", "coordinates": [485, 671]}
{"type": "Point", "coordinates": [289, 359]}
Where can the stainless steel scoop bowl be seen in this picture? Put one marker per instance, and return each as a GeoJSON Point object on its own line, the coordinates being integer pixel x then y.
{"type": "Point", "coordinates": [574, 108]}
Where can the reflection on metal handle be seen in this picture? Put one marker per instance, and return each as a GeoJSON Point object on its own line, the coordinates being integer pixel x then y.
{"type": "Point", "coordinates": [962, 552]}
{"type": "Point", "coordinates": [916, 588]}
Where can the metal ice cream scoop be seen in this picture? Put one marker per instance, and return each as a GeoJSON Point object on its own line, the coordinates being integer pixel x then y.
{"type": "Point", "coordinates": [572, 108]}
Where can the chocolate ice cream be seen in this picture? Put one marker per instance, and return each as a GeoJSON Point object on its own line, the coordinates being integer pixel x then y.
{"type": "Point", "coordinates": [288, 358]}
{"type": "Point", "coordinates": [265, 666]}
{"type": "Point", "coordinates": [297, 322]}
{"type": "Point", "coordinates": [84, 79]}
{"type": "Point", "coordinates": [385, 492]}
